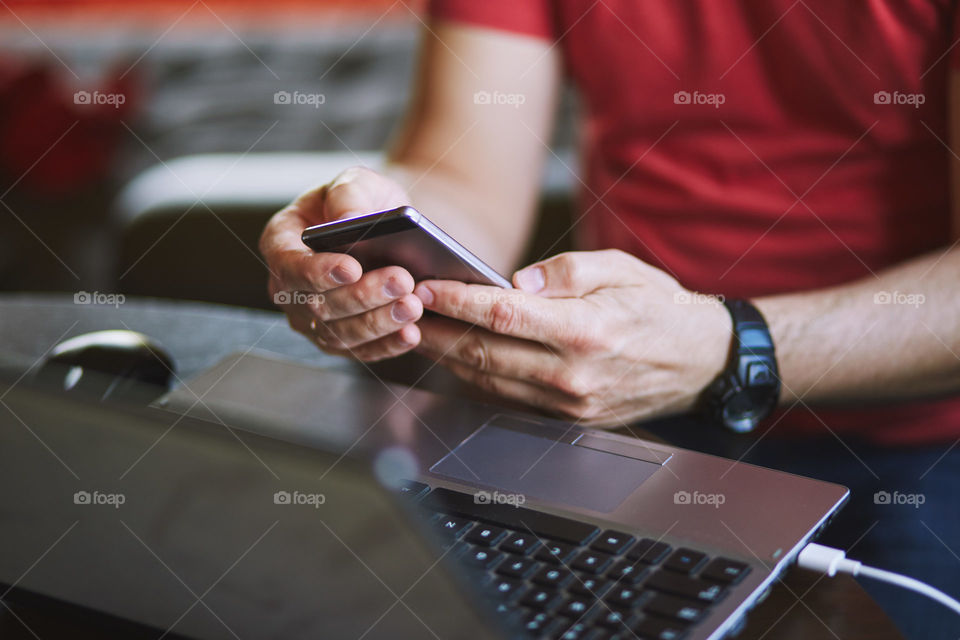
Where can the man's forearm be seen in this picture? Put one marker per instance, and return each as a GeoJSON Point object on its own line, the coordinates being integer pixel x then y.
{"type": "Point", "coordinates": [892, 336]}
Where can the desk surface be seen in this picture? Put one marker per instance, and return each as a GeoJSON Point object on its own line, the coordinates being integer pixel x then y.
{"type": "Point", "coordinates": [802, 606]}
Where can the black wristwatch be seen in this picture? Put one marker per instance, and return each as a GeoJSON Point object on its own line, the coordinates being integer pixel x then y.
{"type": "Point", "coordinates": [749, 388]}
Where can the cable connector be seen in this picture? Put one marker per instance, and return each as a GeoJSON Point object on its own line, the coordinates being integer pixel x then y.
{"type": "Point", "coordinates": [826, 560]}
{"type": "Point", "coordinates": [832, 561]}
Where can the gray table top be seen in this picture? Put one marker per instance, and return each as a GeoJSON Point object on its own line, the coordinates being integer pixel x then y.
{"type": "Point", "coordinates": [195, 334]}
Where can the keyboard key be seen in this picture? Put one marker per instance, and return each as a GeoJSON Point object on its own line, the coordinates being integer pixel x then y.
{"type": "Point", "coordinates": [725, 570]}
{"type": "Point", "coordinates": [587, 586]}
{"type": "Point", "coordinates": [580, 631]}
{"type": "Point", "coordinates": [625, 597]}
{"type": "Point", "coordinates": [485, 535]}
{"type": "Point", "coordinates": [543, 624]}
{"type": "Point", "coordinates": [540, 598]}
{"type": "Point", "coordinates": [517, 567]}
{"type": "Point", "coordinates": [505, 588]}
{"type": "Point", "coordinates": [552, 577]}
{"type": "Point", "coordinates": [659, 629]}
{"type": "Point", "coordinates": [482, 558]}
{"type": "Point", "coordinates": [556, 552]}
{"type": "Point", "coordinates": [681, 585]}
{"type": "Point", "coordinates": [452, 526]}
{"type": "Point", "coordinates": [411, 489]}
{"type": "Point", "coordinates": [685, 560]}
{"type": "Point", "coordinates": [614, 619]}
{"type": "Point", "coordinates": [575, 607]}
{"type": "Point", "coordinates": [676, 608]}
{"type": "Point", "coordinates": [648, 551]}
{"type": "Point", "coordinates": [518, 518]}
{"type": "Point", "coordinates": [594, 562]}
{"type": "Point", "coordinates": [520, 543]}
{"type": "Point", "coordinates": [627, 572]}
{"type": "Point", "coordinates": [612, 542]}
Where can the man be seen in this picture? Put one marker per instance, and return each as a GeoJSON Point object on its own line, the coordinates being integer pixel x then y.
{"type": "Point", "coordinates": [793, 154]}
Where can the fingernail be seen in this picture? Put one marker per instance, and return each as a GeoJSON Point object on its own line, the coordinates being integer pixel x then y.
{"type": "Point", "coordinates": [531, 279]}
{"type": "Point", "coordinates": [340, 275]}
{"type": "Point", "coordinates": [393, 289]}
{"type": "Point", "coordinates": [425, 295]}
{"type": "Point", "coordinates": [401, 312]}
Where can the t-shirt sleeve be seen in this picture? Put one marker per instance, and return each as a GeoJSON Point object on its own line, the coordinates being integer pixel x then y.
{"type": "Point", "coordinates": [527, 17]}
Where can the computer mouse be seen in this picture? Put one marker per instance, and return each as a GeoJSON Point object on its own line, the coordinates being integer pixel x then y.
{"type": "Point", "coordinates": [109, 365]}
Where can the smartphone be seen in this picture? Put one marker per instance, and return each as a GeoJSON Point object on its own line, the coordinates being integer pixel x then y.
{"type": "Point", "coordinates": [402, 237]}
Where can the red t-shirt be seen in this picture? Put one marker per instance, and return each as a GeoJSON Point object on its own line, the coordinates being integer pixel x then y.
{"type": "Point", "coordinates": [744, 148]}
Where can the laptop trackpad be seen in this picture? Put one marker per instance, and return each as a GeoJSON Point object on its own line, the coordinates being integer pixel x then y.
{"type": "Point", "coordinates": [537, 467]}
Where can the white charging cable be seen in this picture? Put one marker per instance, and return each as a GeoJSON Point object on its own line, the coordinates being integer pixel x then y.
{"type": "Point", "coordinates": [831, 561]}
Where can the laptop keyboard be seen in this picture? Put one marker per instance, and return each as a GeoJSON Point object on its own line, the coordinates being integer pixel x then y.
{"type": "Point", "coordinates": [564, 579]}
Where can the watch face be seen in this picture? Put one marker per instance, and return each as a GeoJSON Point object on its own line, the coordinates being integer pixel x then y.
{"type": "Point", "coordinates": [744, 410]}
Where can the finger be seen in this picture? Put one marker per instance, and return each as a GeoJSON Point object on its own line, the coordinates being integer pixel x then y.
{"type": "Point", "coordinates": [360, 190]}
{"type": "Point", "coordinates": [390, 346]}
{"type": "Point", "coordinates": [295, 265]}
{"type": "Point", "coordinates": [577, 273]}
{"type": "Point", "coordinates": [348, 333]}
{"type": "Point", "coordinates": [449, 340]}
{"type": "Point", "coordinates": [505, 311]}
{"type": "Point", "coordinates": [516, 390]}
{"type": "Point", "coordinates": [374, 289]}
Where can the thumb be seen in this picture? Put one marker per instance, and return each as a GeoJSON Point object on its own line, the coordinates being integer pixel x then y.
{"type": "Point", "coordinates": [576, 273]}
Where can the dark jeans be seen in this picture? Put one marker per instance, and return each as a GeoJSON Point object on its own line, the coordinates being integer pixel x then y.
{"type": "Point", "coordinates": [915, 532]}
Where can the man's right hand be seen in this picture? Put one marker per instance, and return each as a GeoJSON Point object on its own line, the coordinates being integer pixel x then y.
{"type": "Point", "coordinates": [327, 296]}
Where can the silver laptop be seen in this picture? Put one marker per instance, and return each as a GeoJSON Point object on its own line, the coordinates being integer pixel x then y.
{"type": "Point", "coordinates": [267, 499]}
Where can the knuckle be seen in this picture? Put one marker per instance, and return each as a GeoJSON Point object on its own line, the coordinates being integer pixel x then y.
{"type": "Point", "coordinates": [370, 327]}
{"type": "Point", "coordinates": [321, 311]}
{"type": "Point", "coordinates": [474, 354]}
{"type": "Point", "coordinates": [503, 317]}
{"type": "Point", "coordinates": [363, 295]}
{"type": "Point", "coordinates": [570, 266]}
{"type": "Point", "coordinates": [347, 192]}
{"type": "Point", "coordinates": [570, 383]}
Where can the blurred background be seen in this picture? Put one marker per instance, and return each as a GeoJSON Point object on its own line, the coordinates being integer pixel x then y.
{"type": "Point", "coordinates": [144, 144]}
